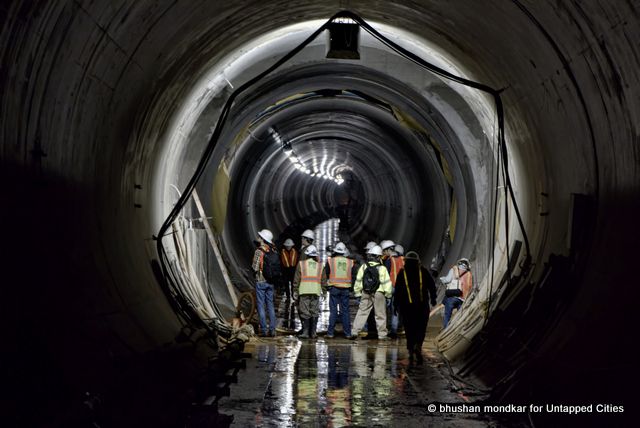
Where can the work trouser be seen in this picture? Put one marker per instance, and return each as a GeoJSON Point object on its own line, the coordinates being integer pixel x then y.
{"type": "Point", "coordinates": [415, 318]}
{"type": "Point", "coordinates": [378, 303]}
{"type": "Point", "coordinates": [287, 280]}
{"type": "Point", "coordinates": [450, 303]}
{"type": "Point", "coordinates": [309, 306]}
{"type": "Point", "coordinates": [264, 297]}
{"type": "Point", "coordinates": [339, 297]}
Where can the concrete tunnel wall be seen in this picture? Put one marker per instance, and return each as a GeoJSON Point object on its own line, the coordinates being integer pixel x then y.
{"type": "Point", "coordinates": [88, 88]}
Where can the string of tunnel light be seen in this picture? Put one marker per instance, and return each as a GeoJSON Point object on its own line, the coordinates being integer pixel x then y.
{"type": "Point", "coordinates": [324, 171]}
{"type": "Point", "coordinates": [222, 119]}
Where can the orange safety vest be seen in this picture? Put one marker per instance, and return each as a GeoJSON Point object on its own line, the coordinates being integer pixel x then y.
{"type": "Point", "coordinates": [340, 275]}
{"type": "Point", "coordinates": [289, 258]}
{"type": "Point", "coordinates": [397, 263]}
{"type": "Point", "coordinates": [310, 280]}
{"type": "Point", "coordinates": [466, 281]}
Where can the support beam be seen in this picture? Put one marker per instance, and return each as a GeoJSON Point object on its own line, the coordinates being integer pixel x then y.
{"type": "Point", "coordinates": [214, 245]}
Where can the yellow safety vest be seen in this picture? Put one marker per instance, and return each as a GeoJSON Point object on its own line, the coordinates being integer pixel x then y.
{"type": "Point", "coordinates": [310, 277]}
{"type": "Point", "coordinates": [340, 275]}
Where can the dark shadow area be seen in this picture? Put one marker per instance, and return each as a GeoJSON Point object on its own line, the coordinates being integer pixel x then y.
{"type": "Point", "coordinates": [60, 367]}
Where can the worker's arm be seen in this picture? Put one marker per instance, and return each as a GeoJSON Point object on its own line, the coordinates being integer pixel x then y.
{"type": "Point", "coordinates": [385, 282]}
{"type": "Point", "coordinates": [357, 286]}
{"type": "Point", "coordinates": [296, 282]}
{"type": "Point", "coordinates": [447, 279]}
{"type": "Point", "coordinates": [256, 265]}
{"type": "Point", "coordinates": [429, 287]}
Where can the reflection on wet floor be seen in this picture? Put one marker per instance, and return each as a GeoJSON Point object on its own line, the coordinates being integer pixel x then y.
{"type": "Point", "coordinates": [341, 383]}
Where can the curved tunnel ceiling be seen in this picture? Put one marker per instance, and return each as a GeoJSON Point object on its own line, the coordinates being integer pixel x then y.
{"type": "Point", "coordinates": [105, 105]}
{"type": "Point", "coordinates": [394, 177]}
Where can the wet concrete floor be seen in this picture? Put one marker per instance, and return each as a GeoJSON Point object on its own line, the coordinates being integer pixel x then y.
{"type": "Point", "coordinates": [339, 382]}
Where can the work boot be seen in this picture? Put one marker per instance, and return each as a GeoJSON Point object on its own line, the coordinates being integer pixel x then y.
{"type": "Point", "coordinates": [305, 329]}
{"type": "Point", "coordinates": [312, 327]}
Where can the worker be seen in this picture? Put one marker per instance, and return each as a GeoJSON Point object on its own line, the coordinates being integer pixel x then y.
{"type": "Point", "coordinates": [414, 290]}
{"type": "Point", "coordinates": [369, 328]}
{"type": "Point", "coordinates": [340, 277]}
{"type": "Point", "coordinates": [307, 239]}
{"type": "Point", "coordinates": [458, 284]}
{"type": "Point", "coordinates": [397, 263]}
{"type": "Point", "coordinates": [374, 287]}
{"type": "Point", "coordinates": [308, 285]}
{"type": "Point", "coordinates": [289, 261]}
{"type": "Point", "coordinates": [394, 264]}
{"type": "Point", "coordinates": [266, 268]}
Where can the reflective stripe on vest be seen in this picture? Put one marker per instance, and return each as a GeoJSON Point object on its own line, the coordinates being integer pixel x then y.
{"type": "Point", "coordinates": [288, 257]}
{"type": "Point", "coordinates": [406, 283]}
{"type": "Point", "coordinates": [310, 277]}
{"type": "Point", "coordinates": [397, 263]}
{"type": "Point", "coordinates": [340, 275]}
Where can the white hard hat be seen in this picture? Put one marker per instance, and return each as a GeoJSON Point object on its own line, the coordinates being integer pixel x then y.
{"type": "Point", "coordinates": [266, 235]}
{"type": "Point", "coordinates": [386, 244]}
{"type": "Point", "coordinates": [311, 251]}
{"type": "Point", "coordinates": [465, 261]}
{"type": "Point", "coordinates": [375, 250]}
{"type": "Point", "coordinates": [340, 248]}
{"type": "Point", "coordinates": [289, 243]}
{"type": "Point", "coordinates": [309, 234]}
{"type": "Point", "coordinates": [369, 245]}
{"type": "Point", "coordinates": [399, 249]}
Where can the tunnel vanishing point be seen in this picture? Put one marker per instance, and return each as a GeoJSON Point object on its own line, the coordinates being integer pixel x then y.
{"type": "Point", "coordinates": [107, 108]}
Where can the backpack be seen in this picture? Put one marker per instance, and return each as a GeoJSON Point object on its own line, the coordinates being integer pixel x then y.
{"type": "Point", "coordinates": [371, 278]}
{"type": "Point", "coordinates": [271, 269]}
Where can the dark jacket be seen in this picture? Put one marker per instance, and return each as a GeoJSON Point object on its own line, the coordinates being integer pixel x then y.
{"type": "Point", "coordinates": [419, 299]}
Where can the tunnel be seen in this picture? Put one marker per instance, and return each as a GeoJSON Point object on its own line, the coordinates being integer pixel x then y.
{"type": "Point", "coordinates": [109, 109]}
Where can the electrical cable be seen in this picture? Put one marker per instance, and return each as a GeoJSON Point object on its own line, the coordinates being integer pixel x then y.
{"type": "Point", "coordinates": [493, 232]}
{"type": "Point", "coordinates": [222, 119]}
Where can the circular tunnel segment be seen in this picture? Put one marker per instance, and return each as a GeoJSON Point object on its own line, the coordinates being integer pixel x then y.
{"type": "Point", "coordinates": [411, 160]}
{"type": "Point", "coordinates": [337, 122]}
{"type": "Point", "coordinates": [111, 105]}
{"type": "Point", "coordinates": [400, 160]}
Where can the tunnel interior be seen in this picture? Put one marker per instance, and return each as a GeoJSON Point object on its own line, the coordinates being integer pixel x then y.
{"type": "Point", "coordinates": [107, 109]}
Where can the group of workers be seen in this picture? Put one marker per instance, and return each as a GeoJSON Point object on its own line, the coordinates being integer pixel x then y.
{"type": "Point", "coordinates": [388, 282]}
